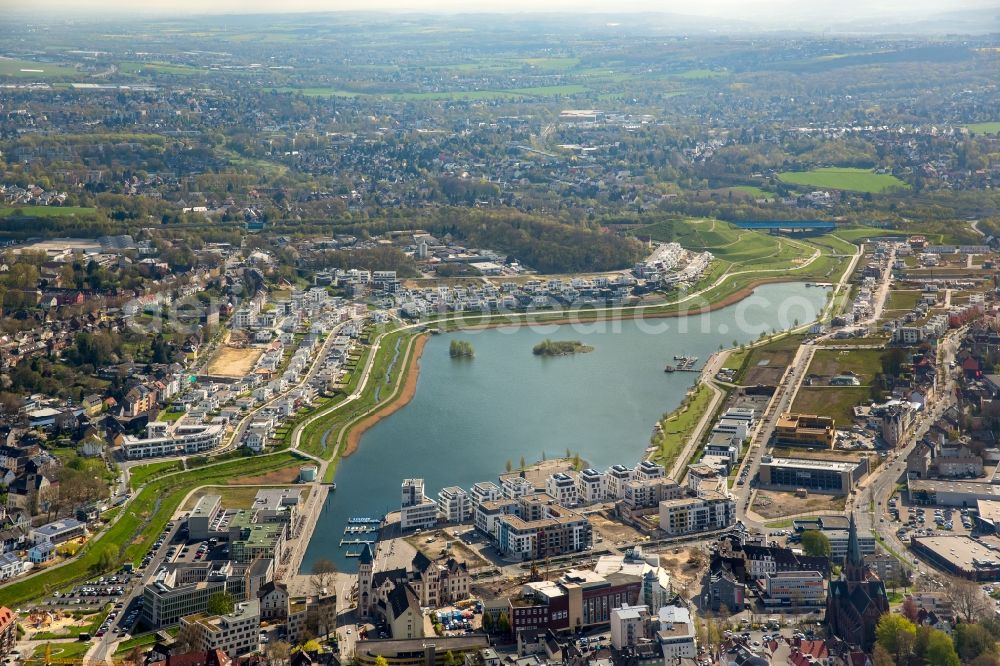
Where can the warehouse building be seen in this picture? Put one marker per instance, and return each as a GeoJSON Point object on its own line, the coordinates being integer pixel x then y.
{"type": "Point", "coordinates": [960, 556]}
{"type": "Point", "coordinates": [951, 493]}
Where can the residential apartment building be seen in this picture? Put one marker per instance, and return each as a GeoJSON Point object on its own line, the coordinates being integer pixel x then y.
{"type": "Point", "coordinates": [648, 470]}
{"type": "Point", "coordinates": [563, 488]}
{"type": "Point", "coordinates": [538, 526]}
{"type": "Point", "coordinates": [514, 487]}
{"type": "Point", "coordinates": [182, 440]}
{"type": "Point", "coordinates": [590, 486]}
{"type": "Point", "coordinates": [236, 634]}
{"type": "Point", "coordinates": [676, 634]}
{"type": "Point", "coordinates": [8, 631]}
{"type": "Point", "coordinates": [648, 493]}
{"type": "Point", "coordinates": [484, 491]}
{"type": "Point", "coordinates": [454, 505]}
{"type": "Point", "coordinates": [709, 511]}
{"type": "Point", "coordinates": [416, 510]}
{"type": "Point", "coordinates": [627, 625]}
{"type": "Point", "coordinates": [614, 481]}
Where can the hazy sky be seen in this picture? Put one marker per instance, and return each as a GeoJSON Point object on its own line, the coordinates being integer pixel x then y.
{"type": "Point", "coordinates": [730, 8]}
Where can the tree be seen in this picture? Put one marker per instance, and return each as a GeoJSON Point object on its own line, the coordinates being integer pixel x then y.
{"type": "Point", "coordinates": [896, 634]}
{"type": "Point", "coordinates": [815, 544]}
{"type": "Point", "coordinates": [503, 624]}
{"type": "Point", "coordinates": [185, 641]}
{"type": "Point", "coordinates": [522, 463]}
{"type": "Point", "coordinates": [881, 657]}
{"type": "Point", "coordinates": [487, 623]}
{"type": "Point", "coordinates": [381, 661]}
{"type": "Point", "coordinates": [510, 465]}
{"type": "Point", "coordinates": [910, 609]}
{"type": "Point", "coordinates": [323, 576]}
{"type": "Point", "coordinates": [450, 659]}
{"type": "Point", "coordinates": [940, 650]}
{"type": "Point", "coordinates": [972, 640]}
{"type": "Point", "coordinates": [221, 604]}
{"type": "Point", "coordinates": [966, 599]}
{"type": "Point", "coordinates": [278, 652]}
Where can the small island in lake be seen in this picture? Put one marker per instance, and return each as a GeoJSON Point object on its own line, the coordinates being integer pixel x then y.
{"type": "Point", "coordinates": [560, 348]}
{"type": "Point", "coordinates": [461, 349]}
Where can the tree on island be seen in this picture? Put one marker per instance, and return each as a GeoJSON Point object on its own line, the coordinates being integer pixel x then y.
{"type": "Point", "coordinates": [560, 347]}
{"type": "Point", "coordinates": [461, 349]}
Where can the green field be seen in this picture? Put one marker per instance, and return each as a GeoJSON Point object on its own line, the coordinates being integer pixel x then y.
{"type": "Point", "coordinates": [752, 190]}
{"type": "Point", "coordinates": [45, 211]}
{"type": "Point", "coordinates": [137, 528]}
{"type": "Point", "coordinates": [836, 401]}
{"type": "Point", "coordinates": [865, 363]}
{"type": "Point", "coordinates": [159, 68]}
{"type": "Point", "coordinates": [10, 67]}
{"type": "Point", "coordinates": [984, 128]}
{"type": "Point", "coordinates": [837, 178]}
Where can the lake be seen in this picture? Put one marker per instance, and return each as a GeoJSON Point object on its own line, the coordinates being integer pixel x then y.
{"type": "Point", "coordinates": [470, 416]}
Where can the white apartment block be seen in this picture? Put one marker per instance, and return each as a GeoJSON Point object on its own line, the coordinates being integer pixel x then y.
{"type": "Point", "coordinates": [676, 635]}
{"type": "Point", "coordinates": [182, 440]}
{"type": "Point", "coordinates": [648, 470]}
{"type": "Point", "coordinates": [590, 486]}
{"type": "Point", "coordinates": [454, 505]}
{"type": "Point", "coordinates": [416, 511]}
{"type": "Point", "coordinates": [563, 488]}
{"type": "Point", "coordinates": [614, 481]}
{"type": "Point", "coordinates": [515, 487]}
{"type": "Point", "coordinates": [484, 491]}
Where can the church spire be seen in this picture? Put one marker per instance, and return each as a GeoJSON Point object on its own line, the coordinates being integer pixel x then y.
{"type": "Point", "coordinates": [854, 564]}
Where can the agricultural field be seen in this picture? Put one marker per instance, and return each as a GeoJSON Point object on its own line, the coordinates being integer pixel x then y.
{"type": "Point", "coordinates": [984, 128]}
{"type": "Point", "coordinates": [834, 178]}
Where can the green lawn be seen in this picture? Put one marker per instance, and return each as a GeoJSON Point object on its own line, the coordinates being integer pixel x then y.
{"type": "Point", "coordinates": [677, 425]}
{"type": "Point", "coordinates": [836, 178]}
{"type": "Point", "coordinates": [752, 190]}
{"type": "Point", "coordinates": [12, 67]}
{"type": "Point", "coordinates": [137, 528]}
{"type": "Point", "coordinates": [833, 401]}
{"type": "Point", "coordinates": [903, 299]}
{"type": "Point", "coordinates": [140, 474]}
{"type": "Point", "coordinates": [984, 128]}
{"type": "Point", "coordinates": [45, 211]}
{"type": "Point", "coordinates": [865, 363]}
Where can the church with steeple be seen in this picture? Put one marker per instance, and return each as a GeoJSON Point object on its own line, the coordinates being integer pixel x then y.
{"type": "Point", "coordinates": [856, 601]}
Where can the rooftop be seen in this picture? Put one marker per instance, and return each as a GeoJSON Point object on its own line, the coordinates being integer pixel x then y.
{"type": "Point", "coordinates": [811, 463]}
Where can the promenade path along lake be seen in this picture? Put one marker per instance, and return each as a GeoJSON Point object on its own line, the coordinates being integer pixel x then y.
{"type": "Point", "coordinates": [470, 416]}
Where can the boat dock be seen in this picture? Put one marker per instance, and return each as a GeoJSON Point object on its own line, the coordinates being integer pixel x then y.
{"type": "Point", "coordinates": [686, 364]}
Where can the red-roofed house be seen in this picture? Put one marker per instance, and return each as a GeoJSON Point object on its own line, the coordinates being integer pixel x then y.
{"type": "Point", "coordinates": [8, 631]}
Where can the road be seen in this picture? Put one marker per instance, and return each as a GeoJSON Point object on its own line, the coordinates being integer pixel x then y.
{"type": "Point", "coordinates": [870, 500]}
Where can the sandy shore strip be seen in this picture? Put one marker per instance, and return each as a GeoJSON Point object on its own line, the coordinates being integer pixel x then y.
{"type": "Point", "coordinates": [402, 398]}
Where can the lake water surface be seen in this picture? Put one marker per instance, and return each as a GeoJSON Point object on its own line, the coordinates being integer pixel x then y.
{"type": "Point", "coordinates": [469, 417]}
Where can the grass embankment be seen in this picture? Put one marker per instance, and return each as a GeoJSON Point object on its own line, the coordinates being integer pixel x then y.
{"type": "Point", "coordinates": [390, 368]}
{"type": "Point", "coordinates": [853, 180]}
{"type": "Point", "coordinates": [140, 474]}
{"type": "Point", "coordinates": [137, 528]}
{"type": "Point", "coordinates": [676, 427]}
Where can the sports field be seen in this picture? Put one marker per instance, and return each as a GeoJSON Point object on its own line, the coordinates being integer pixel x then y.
{"type": "Point", "coordinates": [984, 128]}
{"type": "Point", "coordinates": [836, 178]}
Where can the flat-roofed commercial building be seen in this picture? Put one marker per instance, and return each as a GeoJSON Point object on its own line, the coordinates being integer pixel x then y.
{"type": "Point", "coordinates": [951, 493]}
{"type": "Point", "coordinates": [204, 516]}
{"type": "Point", "coordinates": [433, 651]}
{"type": "Point", "coordinates": [823, 476]}
{"type": "Point", "coordinates": [960, 556]}
{"type": "Point", "coordinates": [805, 430]}
{"type": "Point", "coordinates": [794, 589]}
